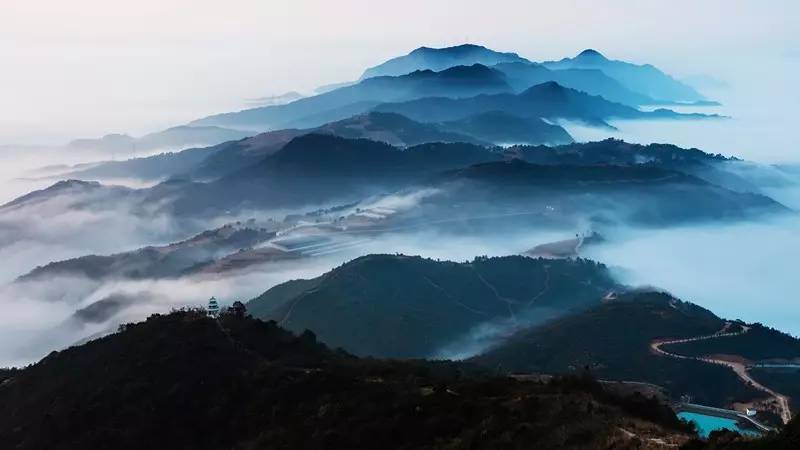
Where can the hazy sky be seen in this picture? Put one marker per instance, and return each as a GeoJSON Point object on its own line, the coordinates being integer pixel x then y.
{"type": "Point", "coordinates": [87, 67]}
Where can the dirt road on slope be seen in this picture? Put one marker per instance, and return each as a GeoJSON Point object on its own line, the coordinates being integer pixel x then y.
{"type": "Point", "coordinates": [738, 367]}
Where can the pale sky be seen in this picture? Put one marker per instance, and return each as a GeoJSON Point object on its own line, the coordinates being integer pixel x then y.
{"type": "Point", "coordinates": [87, 67]}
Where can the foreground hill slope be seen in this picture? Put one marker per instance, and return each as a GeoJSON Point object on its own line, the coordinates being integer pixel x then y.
{"type": "Point", "coordinates": [409, 307]}
{"type": "Point", "coordinates": [186, 381]}
{"type": "Point", "coordinates": [615, 341]}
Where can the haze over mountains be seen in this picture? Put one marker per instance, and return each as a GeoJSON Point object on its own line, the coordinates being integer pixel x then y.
{"type": "Point", "coordinates": [176, 137]}
{"type": "Point", "coordinates": [459, 72]}
{"type": "Point", "coordinates": [548, 100]}
{"type": "Point", "coordinates": [316, 168]}
{"type": "Point", "coordinates": [386, 218]}
{"type": "Point", "coordinates": [463, 70]}
{"type": "Point", "coordinates": [644, 79]}
{"type": "Point", "coordinates": [436, 59]}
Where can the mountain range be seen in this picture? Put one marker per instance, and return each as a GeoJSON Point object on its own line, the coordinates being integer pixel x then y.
{"type": "Point", "coordinates": [170, 139]}
{"type": "Point", "coordinates": [523, 75]}
{"type": "Point", "coordinates": [150, 262]}
{"type": "Point", "coordinates": [450, 153]}
{"type": "Point", "coordinates": [589, 71]}
{"type": "Point", "coordinates": [458, 71]}
{"type": "Point", "coordinates": [458, 81]}
{"type": "Point", "coordinates": [206, 163]}
{"type": "Point", "coordinates": [645, 79]}
{"type": "Point", "coordinates": [607, 180]}
{"type": "Point", "coordinates": [437, 59]}
{"type": "Point", "coordinates": [592, 74]}
{"type": "Point", "coordinates": [548, 100]}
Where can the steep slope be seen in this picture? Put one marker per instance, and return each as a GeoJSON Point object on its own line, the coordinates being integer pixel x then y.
{"type": "Point", "coordinates": [410, 307]}
{"type": "Point", "coordinates": [184, 380]}
{"type": "Point", "coordinates": [614, 341]}
{"type": "Point", "coordinates": [644, 79]}
{"type": "Point", "coordinates": [309, 112]}
{"type": "Point", "coordinates": [425, 58]}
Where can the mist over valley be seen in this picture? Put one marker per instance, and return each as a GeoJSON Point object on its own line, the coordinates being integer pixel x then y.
{"type": "Point", "coordinates": [450, 227]}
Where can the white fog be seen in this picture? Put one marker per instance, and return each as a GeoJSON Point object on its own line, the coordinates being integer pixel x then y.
{"type": "Point", "coordinates": [738, 270]}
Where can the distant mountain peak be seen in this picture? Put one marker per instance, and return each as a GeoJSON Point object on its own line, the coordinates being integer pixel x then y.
{"type": "Point", "coordinates": [552, 85]}
{"type": "Point", "coordinates": [462, 48]}
{"type": "Point", "coordinates": [591, 53]}
{"type": "Point", "coordinates": [438, 59]}
{"type": "Point", "coordinates": [643, 79]}
{"type": "Point", "coordinates": [548, 87]}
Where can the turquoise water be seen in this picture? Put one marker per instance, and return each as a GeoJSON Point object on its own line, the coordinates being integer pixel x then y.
{"type": "Point", "coordinates": [707, 424]}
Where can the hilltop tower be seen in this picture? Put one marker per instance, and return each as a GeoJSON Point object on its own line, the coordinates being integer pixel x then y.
{"type": "Point", "coordinates": [213, 307]}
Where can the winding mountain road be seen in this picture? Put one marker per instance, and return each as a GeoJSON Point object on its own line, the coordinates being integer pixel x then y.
{"type": "Point", "coordinates": [739, 368]}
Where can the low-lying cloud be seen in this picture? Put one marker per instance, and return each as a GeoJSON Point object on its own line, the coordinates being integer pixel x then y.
{"type": "Point", "coordinates": [742, 271]}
